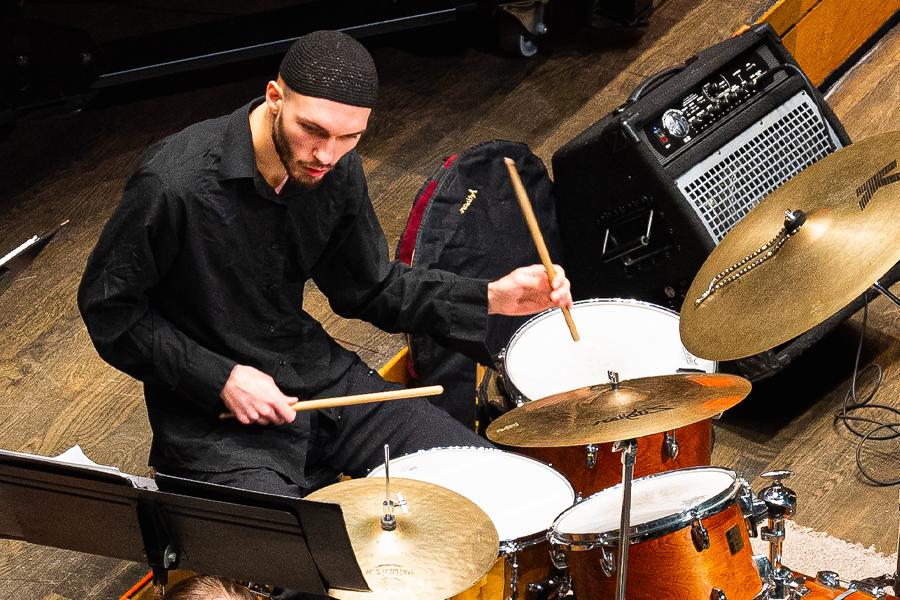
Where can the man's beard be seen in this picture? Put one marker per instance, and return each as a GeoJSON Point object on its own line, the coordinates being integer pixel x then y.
{"type": "Point", "coordinates": [296, 169]}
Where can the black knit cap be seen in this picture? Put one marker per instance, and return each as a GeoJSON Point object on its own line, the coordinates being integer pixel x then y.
{"type": "Point", "coordinates": [331, 65]}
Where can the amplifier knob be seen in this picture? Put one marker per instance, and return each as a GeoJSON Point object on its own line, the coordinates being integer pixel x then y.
{"type": "Point", "coordinates": [676, 123]}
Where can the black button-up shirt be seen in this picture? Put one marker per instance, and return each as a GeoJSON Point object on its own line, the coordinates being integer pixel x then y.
{"type": "Point", "coordinates": [202, 267]}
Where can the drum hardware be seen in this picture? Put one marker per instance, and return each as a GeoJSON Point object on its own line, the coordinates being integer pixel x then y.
{"type": "Point", "coordinates": [828, 579]}
{"type": "Point", "coordinates": [717, 594]}
{"type": "Point", "coordinates": [590, 458]}
{"type": "Point", "coordinates": [628, 448]}
{"type": "Point", "coordinates": [753, 508]}
{"type": "Point", "coordinates": [842, 230]}
{"type": "Point", "coordinates": [388, 520]}
{"type": "Point", "coordinates": [872, 586]}
{"type": "Point", "coordinates": [671, 445]}
{"type": "Point", "coordinates": [699, 535]}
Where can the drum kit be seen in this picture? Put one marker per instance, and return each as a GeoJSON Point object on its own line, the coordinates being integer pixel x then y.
{"type": "Point", "coordinates": [559, 519]}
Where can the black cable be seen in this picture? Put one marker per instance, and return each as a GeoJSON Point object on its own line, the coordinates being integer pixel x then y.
{"type": "Point", "coordinates": [852, 403]}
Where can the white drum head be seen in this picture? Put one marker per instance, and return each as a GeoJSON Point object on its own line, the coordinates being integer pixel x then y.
{"type": "Point", "coordinates": [634, 338]}
{"type": "Point", "coordinates": [522, 496]}
{"type": "Point", "coordinates": [653, 498]}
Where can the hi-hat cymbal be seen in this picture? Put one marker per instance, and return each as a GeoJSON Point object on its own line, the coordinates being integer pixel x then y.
{"type": "Point", "coordinates": [849, 240]}
{"type": "Point", "coordinates": [604, 413]}
{"type": "Point", "coordinates": [443, 546]}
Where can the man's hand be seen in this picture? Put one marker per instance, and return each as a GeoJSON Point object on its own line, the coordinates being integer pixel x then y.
{"type": "Point", "coordinates": [253, 397]}
{"type": "Point", "coordinates": [527, 290]}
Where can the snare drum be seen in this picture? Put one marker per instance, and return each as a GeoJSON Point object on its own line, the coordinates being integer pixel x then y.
{"type": "Point", "coordinates": [521, 496]}
{"type": "Point", "coordinates": [633, 338]}
{"type": "Point", "coordinates": [688, 536]}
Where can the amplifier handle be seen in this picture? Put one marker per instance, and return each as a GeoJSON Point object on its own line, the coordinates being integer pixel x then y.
{"type": "Point", "coordinates": [653, 81]}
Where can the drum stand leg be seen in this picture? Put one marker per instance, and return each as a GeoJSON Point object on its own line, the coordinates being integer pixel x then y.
{"type": "Point", "coordinates": [628, 448]}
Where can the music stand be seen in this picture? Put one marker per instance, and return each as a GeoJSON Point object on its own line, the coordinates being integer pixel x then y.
{"type": "Point", "coordinates": [262, 540]}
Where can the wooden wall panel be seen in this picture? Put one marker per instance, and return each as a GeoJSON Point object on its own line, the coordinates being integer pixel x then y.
{"type": "Point", "coordinates": [823, 34]}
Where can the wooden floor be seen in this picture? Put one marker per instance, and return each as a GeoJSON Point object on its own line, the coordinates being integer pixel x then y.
{"type": "Point", "coordinates": [56, 392]}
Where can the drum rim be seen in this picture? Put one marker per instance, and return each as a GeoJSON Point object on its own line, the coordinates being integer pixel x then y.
{"type": "Point", "coordinates": [514, 392]}
{"type": "Point", "coordinates": [651, 529]}
{"type": "Point", "coordinates": [509, 545]}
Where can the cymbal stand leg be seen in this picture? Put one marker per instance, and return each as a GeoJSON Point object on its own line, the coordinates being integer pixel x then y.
{"type": "Point", "coordinates": [886, 292]}
{"type": "Point", "coordinates": [628, 448]}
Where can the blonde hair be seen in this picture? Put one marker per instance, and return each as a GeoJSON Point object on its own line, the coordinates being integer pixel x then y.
{"type": "Point", "coordinates": [207, 587]}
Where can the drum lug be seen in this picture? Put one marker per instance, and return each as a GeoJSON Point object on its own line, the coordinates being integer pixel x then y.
{"type": "Point", "coordinates": [671, 445]}
{"type": "Point", "coordinates": [699, 535]}
{"type": "Point", "coordinates": [558, 558]}
{"type": "Point", "coordinates": [513, 563]}
{"type": "Point", "coordinates": [590, 452]}
{"type": "Point", "coordinates": [607, 561]}
{"type": "Point", "coordinates": [717, 594]}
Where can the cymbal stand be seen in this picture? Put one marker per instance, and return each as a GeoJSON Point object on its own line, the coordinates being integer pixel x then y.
{"type": "Point", "coordinates": [781, 504]}
{"type": "Point", "coordinates": [628, 448]}
{"type": "Point", "coordinates": [886, 292]}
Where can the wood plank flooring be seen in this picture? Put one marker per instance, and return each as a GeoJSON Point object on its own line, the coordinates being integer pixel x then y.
{"type": "Point", "coordinates": [438, 96]}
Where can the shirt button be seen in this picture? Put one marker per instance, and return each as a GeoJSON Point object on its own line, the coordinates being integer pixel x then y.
{"type": "Point", "coordinates": [270, 287]}
{"type": "Point", "coordinates": [270, 329]}
{"type": "Point", "coordinates": [282, 362]}
{"type": "Point", "coordinates": [274, 245]}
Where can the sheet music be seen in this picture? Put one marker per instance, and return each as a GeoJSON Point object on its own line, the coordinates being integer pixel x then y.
{"type": "Point", "coordinates": [74, 456]}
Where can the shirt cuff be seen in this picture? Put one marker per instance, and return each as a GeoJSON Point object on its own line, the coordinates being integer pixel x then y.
{"type": "Point", "coordinates": [205, 375]}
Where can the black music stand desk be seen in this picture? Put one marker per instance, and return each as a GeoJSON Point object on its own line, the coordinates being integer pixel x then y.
{"type": "Point", "coordinates": [247, 536]}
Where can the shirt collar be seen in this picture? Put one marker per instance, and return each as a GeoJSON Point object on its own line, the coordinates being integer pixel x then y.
{"type": "Point", "coordinates": [238, 156]}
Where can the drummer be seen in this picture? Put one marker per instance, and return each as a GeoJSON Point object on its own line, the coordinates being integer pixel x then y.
{"type": "Point", "coordinates": [196, 283]}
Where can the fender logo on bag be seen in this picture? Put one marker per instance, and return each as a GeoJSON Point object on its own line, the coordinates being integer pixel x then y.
{"type": "Point", "coordinates": [469, 200]}
{"type": "Point", "coordinates": [876, 181]}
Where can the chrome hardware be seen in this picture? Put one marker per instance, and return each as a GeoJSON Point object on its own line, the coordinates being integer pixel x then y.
{"type": "Point", "coordinates": [590, 457]}
{"type": "Point", "coordinates": [797, 586]}
{"type": "Point", "coordinates": [607, 562]}
{"type": "Point", "coordinates": [843, 595]}
{"type": "Point", "coordinates": [753, 508]}
{"type": "Point", "coordinates": [565, 586]}
{"type": "Point", "coordinates": [671, 445]}
{"type": "Point", "coordinates": [763, 566]}
{"type": "Point", "coordinates": [558, 558]}
{"type": "Point", "coordinates": [699, 535]}
{"type": "Point", "coordinates": [717, 594]}
{"type": "Point", "coordinates": [513, 576]}
{"type": "Point", "coordinates": [829, 579]}
{"type": "Point", "coordinates": [874, 586]}
{"type": "Point", "coordinates": [781, 501]}
{"type": "Point", "coordinates": [781, 504]}
{"type": "Point", "coordinates": [613, 379]}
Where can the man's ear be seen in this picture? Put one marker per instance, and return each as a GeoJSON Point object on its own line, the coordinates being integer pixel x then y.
{"type": "Point", "coordinates": [274, 96]}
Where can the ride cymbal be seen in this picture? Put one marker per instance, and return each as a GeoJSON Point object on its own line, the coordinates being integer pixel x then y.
{"type": "Point", "coordinates": [605, 413]}
{"type": "Point", "coordinates": [441, 547]}
{"type": "Point", "coordinates": [762, 286]}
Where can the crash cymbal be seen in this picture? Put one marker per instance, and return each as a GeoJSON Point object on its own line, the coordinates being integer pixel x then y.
{"type": "Point", "coordinates": [441, 547]}
{"type": "Point", "coordinates": [605, 413]}
{"type": "Point", "coordinates": [847, 240]}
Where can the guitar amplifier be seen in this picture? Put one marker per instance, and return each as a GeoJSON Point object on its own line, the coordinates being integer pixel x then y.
{"type": "Point", "coordinates": [645, 194]}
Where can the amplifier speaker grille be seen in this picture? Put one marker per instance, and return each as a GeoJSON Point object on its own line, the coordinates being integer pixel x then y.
{"type": "Point", "coordinates": [724, 187]}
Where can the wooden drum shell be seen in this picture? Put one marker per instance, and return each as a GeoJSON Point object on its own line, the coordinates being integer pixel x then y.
{"type": "Point", "coordinates": [670, 566]}
{"type": "Point", "coordinates": [694, 450]}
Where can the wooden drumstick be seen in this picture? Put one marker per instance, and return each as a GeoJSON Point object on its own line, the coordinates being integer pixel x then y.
{"type": "Point", "coordinates": [430, 390]}
{"type": "Point", "coordinates": [525, 204]}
